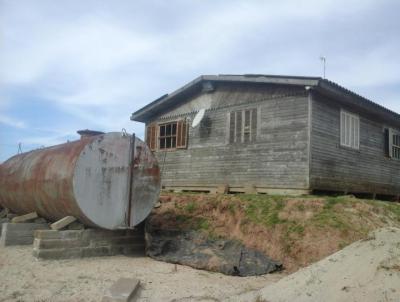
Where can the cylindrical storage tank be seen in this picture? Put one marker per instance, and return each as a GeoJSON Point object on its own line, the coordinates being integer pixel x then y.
{"type": "Point", "coordinates": [111, 181]}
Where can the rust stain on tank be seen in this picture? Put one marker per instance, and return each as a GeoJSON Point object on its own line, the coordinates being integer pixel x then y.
{"type": "Point", "coordinates": [43, 180]}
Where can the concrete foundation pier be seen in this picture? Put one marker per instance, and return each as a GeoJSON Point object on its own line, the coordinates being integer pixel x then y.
{"type": "Point", "coordinates": [19, 233]}
{"type": "Point", "coordinates": [52, 244]}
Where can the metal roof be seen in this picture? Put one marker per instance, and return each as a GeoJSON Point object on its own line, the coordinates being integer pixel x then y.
{"type": "Point", "coordinates": [319, 84]}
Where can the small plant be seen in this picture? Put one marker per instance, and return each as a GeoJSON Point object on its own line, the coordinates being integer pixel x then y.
{"type": "Point", "coordinates": [301, 207]}
{"type": "Point", "coordinates": [191, 207]}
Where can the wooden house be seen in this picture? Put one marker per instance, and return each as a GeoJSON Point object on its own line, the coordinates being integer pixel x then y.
{"type": "Point", "coordinates": [273, 134]}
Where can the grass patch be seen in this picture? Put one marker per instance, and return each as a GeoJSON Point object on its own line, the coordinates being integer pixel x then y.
{"type": "Point", "coordinates": [191, 207]}
{"type": "Point", "coordinates": [264, 209]}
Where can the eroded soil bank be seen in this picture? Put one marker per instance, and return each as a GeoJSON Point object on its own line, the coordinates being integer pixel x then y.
{"type": "Point", "coordinates": [296, 231]}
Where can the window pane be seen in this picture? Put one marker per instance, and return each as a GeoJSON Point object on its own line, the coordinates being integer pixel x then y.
{"type": "Point", "coordinates": [173, 144]}
{"type": "Point", "coordinates": [247, 118]}
{"type": "Point", "coordinates": [173, 129]}
{"type": "Point", "coordinates": [168, 129]}
{"type": "Point", "coordinates": [162, 130]}
{"type": "Point", "coordinates": [168, 142]}
{"type": "Point", "coordinates": [162, 143]}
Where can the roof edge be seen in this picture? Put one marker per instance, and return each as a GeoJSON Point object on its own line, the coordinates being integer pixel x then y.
{"type": "Point", "coordinates": [140, 115]}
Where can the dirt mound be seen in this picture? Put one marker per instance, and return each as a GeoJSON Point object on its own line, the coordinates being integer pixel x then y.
{"type": "Point", "coordinates": [367, 271]}
{"type": "Point", "coordinates": [296, 231]}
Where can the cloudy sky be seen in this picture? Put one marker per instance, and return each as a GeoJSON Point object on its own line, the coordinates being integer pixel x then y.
{"type": "Point", "coordinates": [69, 65]}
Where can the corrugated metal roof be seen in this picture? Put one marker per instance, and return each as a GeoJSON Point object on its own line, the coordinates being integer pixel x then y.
{"type": "Point", "coordinates": [318, 83]}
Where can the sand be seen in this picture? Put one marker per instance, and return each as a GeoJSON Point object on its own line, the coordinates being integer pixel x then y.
{"type": "Point", "coordinates": [23, 278]}
{"type": "Point", "coordinates": [365, 271]}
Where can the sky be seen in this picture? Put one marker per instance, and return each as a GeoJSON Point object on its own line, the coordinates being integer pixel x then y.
{"type": "Point", "coordinates": [70, 65]}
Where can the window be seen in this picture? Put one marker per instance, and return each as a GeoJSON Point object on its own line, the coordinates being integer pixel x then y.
{"type": "Point", "coordinates": [393, 143]}
{"type": "Point", "coordinates": [349, 130]}
{"type": "Point", "coordinates": [396, 145]}
{"type": "Point", "coordinates": [167, 136]}
{"type": "Point", "coordinates": [243, 126]}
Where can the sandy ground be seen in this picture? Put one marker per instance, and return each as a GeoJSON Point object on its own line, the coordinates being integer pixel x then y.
{"type": "Point", "coordinates": [23, 278]}
{"type": "Point", "coordinates": [365, 271]}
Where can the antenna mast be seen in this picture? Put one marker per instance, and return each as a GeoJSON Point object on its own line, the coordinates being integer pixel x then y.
{"type": "Point", "coordinates": [323, 59]}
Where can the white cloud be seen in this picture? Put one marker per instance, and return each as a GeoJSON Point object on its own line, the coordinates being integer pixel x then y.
{"type": "Point", "coordinates": [99, 61]}
{"type": "Point", "coordinates": [12, 122]}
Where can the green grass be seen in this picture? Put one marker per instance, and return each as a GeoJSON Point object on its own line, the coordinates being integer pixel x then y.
{"type": "Point", "coordinates": [337, 212]}
{"type": "Point", "coordinates": [191, 207]}
{"type": "Point", "coordinates": [264, 209]}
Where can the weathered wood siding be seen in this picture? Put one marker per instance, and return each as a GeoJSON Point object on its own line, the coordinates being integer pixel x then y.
{"type": "Point", "coordinates": [342, 169]}
{"type": "Point", "coordinates": [278, 158]}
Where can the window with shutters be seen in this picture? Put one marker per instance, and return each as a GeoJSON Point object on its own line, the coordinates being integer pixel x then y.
{"type": "Point", "coordinates": [394, 144]}
{"type": "Point", "coordinates": [243, 126]}
{"type": "Point", "coordinates": [167, 136]}
{"type": "Point", "coordinates": [349, 130]}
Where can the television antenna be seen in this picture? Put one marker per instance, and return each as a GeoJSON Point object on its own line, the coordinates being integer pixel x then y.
{"type": "Point", "coordinates": [199, 116]}
{"type": "Point", "coordinates": [323, 60]}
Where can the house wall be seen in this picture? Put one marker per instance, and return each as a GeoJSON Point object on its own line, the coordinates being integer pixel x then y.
{"type": "Point", "coordinates": [337, 168]}
{"type": "Point", "coordinates": [278, 158]}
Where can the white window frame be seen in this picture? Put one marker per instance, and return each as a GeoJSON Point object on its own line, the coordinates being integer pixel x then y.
{"type": "Point", "coordinates": [349, 130]}
{"type": "Point", "coordinates": [394, 144]}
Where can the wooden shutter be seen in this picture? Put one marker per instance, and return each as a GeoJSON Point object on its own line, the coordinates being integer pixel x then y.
{"type": "Point", "coordinates": [253, 125]}
{"type": "Point", "coordinates": [239, 125]}
{"type": "Point", "coordinates": [390, 142]}
{"type": "Point", "coordinates": [181, 134]}
{"type": "Point", "coordinates": [232, 127]}
{"type": "Point", "coordinates": [387, 146]}
{"type": "Point", "coordinates": [151, 136]}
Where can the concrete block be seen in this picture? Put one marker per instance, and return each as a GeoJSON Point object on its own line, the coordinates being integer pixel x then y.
{"type": "Point", "coordinates": [58, 243]}
{"type": "Point", "coordinates": [25, 218]}
{"type": "Point", "coordinates": [123, 290]}
{"type": "Point", "coordinates": [19, 233]}
{"type": "Point", "coordinates": [53, 234]}
{"type": "Point", "coordinates": [116, 240]}
{"type": "Point", "coordinates": [94, 234]}
{"type": "Point", "coordinates": [62, 223]}
{"type": "Point", "coordinates": [64, 244]}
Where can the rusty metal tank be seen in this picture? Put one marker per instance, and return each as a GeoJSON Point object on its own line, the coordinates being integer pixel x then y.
{"type": "Point", "coordinates": [111, 181]}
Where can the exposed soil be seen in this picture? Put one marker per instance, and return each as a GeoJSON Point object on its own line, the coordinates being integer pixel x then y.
{"type": "Point", "coordinates": [296, 231]}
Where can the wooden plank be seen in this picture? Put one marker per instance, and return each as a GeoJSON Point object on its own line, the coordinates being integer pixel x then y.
{"type": "Point", "coordinates": [25, 218]}
{"type": "Point", "coordinates": [62, 223]}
